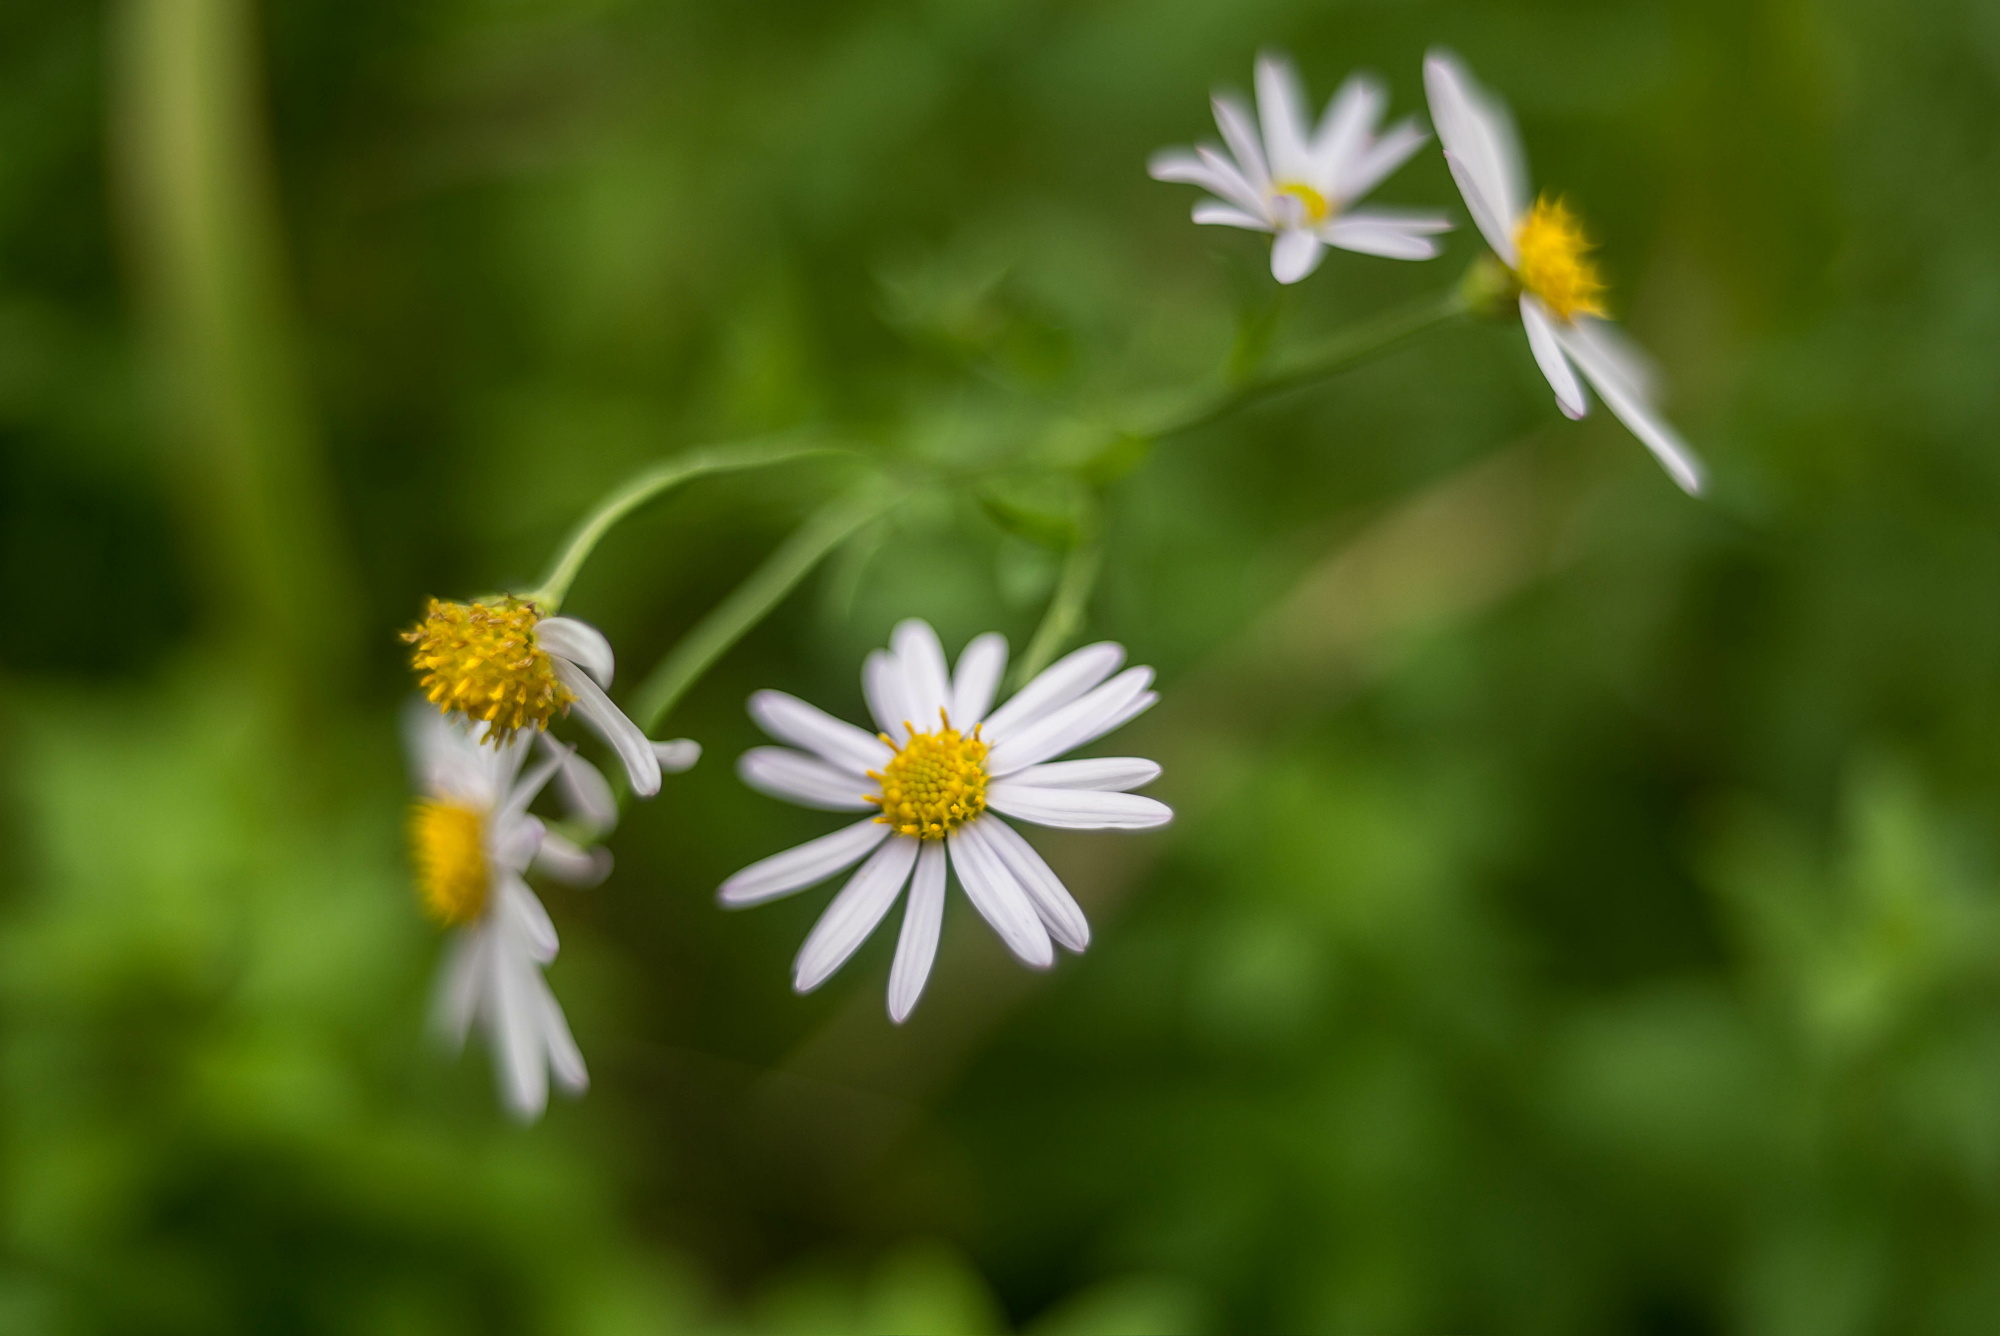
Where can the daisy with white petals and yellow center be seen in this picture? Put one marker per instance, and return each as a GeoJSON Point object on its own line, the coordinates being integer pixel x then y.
{"type": "Point", "coordinates": [1561, 296]}
{"type": "Point", "coordinates": [473, 841]}
{"type": "Point", "coordinates": [939, 776]}
{"type": "Point", "coordinates": [504, 665]}
{"type": "Point", "coordinates": [1300, 182]}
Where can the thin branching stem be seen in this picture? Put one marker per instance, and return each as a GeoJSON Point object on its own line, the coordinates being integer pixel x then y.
{"type": "Point", "coordinates": [1065, 614]}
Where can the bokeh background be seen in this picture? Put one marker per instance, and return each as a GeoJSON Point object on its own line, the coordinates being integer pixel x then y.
{"type": "Point", "coordinates": [1583, 914]}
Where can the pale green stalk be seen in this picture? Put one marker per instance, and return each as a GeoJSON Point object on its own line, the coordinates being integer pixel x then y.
{"type": "Point", "coordinates": [652, 482]}
{"type": "Point", "coordinates": [1065, 614]}
{"type": "Point", "coordinates": [748, 604]}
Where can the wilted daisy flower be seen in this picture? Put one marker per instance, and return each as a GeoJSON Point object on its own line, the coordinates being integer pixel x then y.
{"type": "Point", "coordinates": [940, 774]}
{"type": "Point", "coordinates": [473, 840]}
{"type": "Point", "coordinates": [508, 667]}
{"type": "Point", "coordinates": [1544, 247]}
{"type": "Point", "coordinates": [1302, 182]}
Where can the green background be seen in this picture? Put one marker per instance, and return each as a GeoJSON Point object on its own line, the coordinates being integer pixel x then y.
{"type": "Point", "coordinates": [1582, 914]}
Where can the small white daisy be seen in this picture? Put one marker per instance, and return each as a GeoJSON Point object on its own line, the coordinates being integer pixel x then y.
{"type": "Point", "coordinates": [1301, 183]}
{"type": "Point", "coordinates": [942, 771]}
{"type": "Point", "coordinates": [1561, 295]}
{"type": "Point", "coordinates": [507, 666]}
{"type": "Point", "coordinates": [473, 840]}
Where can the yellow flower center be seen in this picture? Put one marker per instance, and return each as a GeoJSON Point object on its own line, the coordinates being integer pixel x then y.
{"type": "Point", "coordinates": [448, 845]}
{"type": "Point", "coordinates": [481, 660]}
{"type": "Point", "coordinates": [1553, 261]}
{"type": "Point", "coordinates": [1318, 208]}
{"type": "Point", "coordinates": [935, 783]}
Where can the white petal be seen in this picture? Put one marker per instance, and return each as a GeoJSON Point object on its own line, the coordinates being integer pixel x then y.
{"type": "Point", "coordinates": [1295, 254]}
{"type": "Point", "coordinates": [641, 766]}
{"type": "Point", "coordinates": [853, 914]}
{"type": "Point", "coordinates": [1367, 168]}
{"type": "Point", "coordinates": [515, 1032]}
{"type": "Point", "coordinates": [1109, 773]}
{"type": "Point", "coordinates": [565, 1060]}
{"type": "Point", "coordinates": [1614, 354]}
{"type": "Point", "coordinates": [1344, 129]}
{"type": "Point", "coordinates": [586, 794]}
{"type": "Point", "coordinates": [1078, 809]}
{"type": "Point", "coordinates": [1482, 148]}
{"type": "Point", "coordinates": [1216, 213]}
{"type": "Point", "coordinates": [1073, 725]}
{"type": "Point", "coordinates": [1239, 132]}
{"type": "Point", "coordinates": [1631, 408]}
{"type": "Point", "coordinates": [1549, 357]}
{"type": "Point", "coordinates": [802, 779]}
{"type": "Point", "coordinates": [1230, 182]}
{"type": "Point", "coordinates": [522, 920]}
{"type": "Point", "coordinates": [789, 719]}
{"type": "Point", "coordinates": [999, 899]}
{"type": "Point", "coordinates": [886, 689]}
{"type": "Point", "coordinates": [1055, 686]}
{"type": "Point", "coordinates": [922, 657]}
{"type": "Point", "coordinates": [571, 863]}
{"type": "Point", "coordinates": [980, 667]}
{"type": "Point", "coordinates": [1282, 113]}
{"type": "Point", "coordinates": [1208, 169]}
{"type": "Point", "coordinates": [1391, 238]}
{"type": "Point", "coordinates": [461, 981]}
{"type": "Point", "coordinates": [916, 945]}
{"type": "Point", "coordinates": [1057, 909]}
{"type": "Point", "coordinates": [511, 842]}
{"type": "Point", "coordinates": [1140, 703]}
{"type": "Point", "coordinates": [802, 866]}
{"type": "Point", "coordinates": [677, 754]}
{"type": "Point", "coordinates": [580, 643]}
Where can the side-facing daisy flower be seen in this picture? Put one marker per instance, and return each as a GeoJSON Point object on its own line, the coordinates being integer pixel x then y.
{"type": "Point", "coordinates": [1301, 182]}
{"type": "Point", "coordinates": [473, 841]}
{"type": "Point", "coordinates": [507, 666]}
{"type": "Point", "coordinates": [1544, 247]}
{"type": "Point", "coordinates": [941, 773]}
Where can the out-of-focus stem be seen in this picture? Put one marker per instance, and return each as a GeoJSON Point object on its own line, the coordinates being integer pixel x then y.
{"type": "Point", "coordinates": [200, 218]}
{"type": "Point", "coordinates": [652, 482]}
{"type": "Point", "coordinates": [730, 620]}
{"type": "Point", "coordinates": [1065, 614]}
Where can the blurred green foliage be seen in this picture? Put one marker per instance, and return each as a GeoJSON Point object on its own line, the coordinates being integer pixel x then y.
{"type": "Point", "coordinates": [1597, 928]}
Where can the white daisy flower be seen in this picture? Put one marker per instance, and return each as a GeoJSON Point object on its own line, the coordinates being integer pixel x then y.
{"type": "Point", "coordinates": [942, 772]}
{"type": "Point", "coordinates": [505, 665]}
{"type": "Point", "coordinates": [1301, 182]}
{"type": "Point", "coordinates": [1561, 295]}
{"type": "Point", "coordinates": [473, 841]}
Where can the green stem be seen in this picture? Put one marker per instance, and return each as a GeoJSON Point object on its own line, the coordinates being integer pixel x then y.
{"type": "Point", "coordinates": [730, 620]}
{"type": "Point", "coordinates": [649, 483]}
{"type": "Point", "coordinates": [1064, 616]}
{"type": "Point", "coordinates": [1340, 353]}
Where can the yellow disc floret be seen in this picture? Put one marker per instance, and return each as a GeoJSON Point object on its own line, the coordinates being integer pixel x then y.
{"type": "Point", "coordinates": [1317, 208]}
{"type": "Point", "coordinates": [481, 660]}
{"type": "Point", "coordinates": [448, 845]}
{"type": "Point", "coordinates": [935, 783]}
{"type": "Point", "coordinates": [1555, 264]}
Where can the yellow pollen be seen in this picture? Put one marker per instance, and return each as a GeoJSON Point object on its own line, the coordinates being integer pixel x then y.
{"type": "Point", "coordinates": [1318, 208]}
{"type": "Point", "coordinates": [481, 660]}
{"type": "Point", "coordinates": [1554, 264]}
{"type": "Point", "coordinates": [935, 783]}
{"type": "Point", "coordinates": [447, 843]}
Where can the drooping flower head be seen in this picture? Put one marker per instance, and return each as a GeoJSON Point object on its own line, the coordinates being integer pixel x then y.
{"type": "Point", "coordinates": [472, 844]}
{"type": "Point", "coordinates": [1559, 291]}
{"type": "Point", "coordinates": [507, 667]}
{"type": "Point", "coordinates": [1301, 182]}
{"type": "Point", "coordinates": [939, 777]}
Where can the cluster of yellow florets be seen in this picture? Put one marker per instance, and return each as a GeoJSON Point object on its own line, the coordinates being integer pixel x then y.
{"type": "Point", "coordinates": [447, 843]}
{"type": "Point", "coordinates": [481, 660]}
{"type": "Point", "coordinates": [1554, 261]}
{"type": "Point", "coordinates": [935, 783]}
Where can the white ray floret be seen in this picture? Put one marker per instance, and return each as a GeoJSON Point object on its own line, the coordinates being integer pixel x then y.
{"type": "Point", "coordinates": [937, 776]}
{"type": "Point", "coordinates": [1544, 248]}
{"type": "Point", "coordinates": [1299, 182]}
{"type": "Point", "coordinates": [474, 842]}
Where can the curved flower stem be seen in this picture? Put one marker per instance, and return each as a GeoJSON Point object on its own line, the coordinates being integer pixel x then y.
{"type": "Point", "coordinates": [728, 622]}
{"type": "Point", "coordinates": [1064, 616]}
{"type": "Point", "coordinates": [1337, 354]}
{"type": "Point", "coordinates": [651, 482]}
